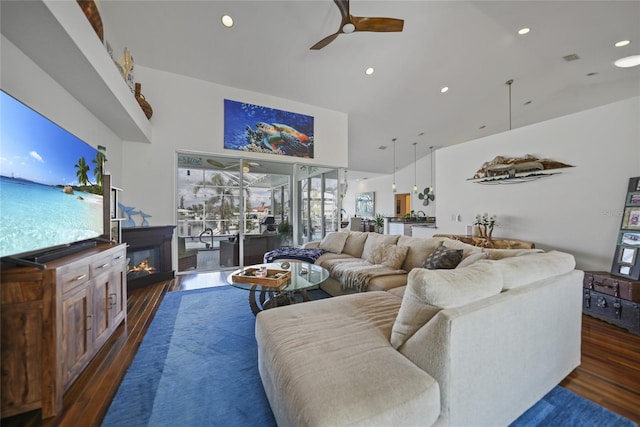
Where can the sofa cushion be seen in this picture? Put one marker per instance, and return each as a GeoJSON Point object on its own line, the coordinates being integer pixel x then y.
{"type": "Point", "coordinates": [467, 249]}
{"type": "Point", "coordinates": [334, 242]}
{"type": "Point", "coordinates": [375, 239]}
{"type": "Point", "coordinates": [507, 253]}
{"type": "Point", "coordinates": [419, 249]}
{"type": "Point", "coordinates": [355, 243]}
{"type": "Point", "coordinates": [391, 256]}
{"type": "Point", "coordinates": [472, 258]}
{"type": "Point", "coordinates": [428, 291]}
{"type": "Point", "coordinates": [443, 258]}
{"type": "Point", "coordinates": [522, 270]}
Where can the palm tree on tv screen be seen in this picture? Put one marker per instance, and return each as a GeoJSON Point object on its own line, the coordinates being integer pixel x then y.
{"type": "Point", "coordinates": [81, 173]}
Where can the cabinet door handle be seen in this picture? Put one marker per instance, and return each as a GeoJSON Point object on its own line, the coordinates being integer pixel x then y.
{"type": "Point", "coordinates": [104, 265]}
{"type": "Point", "coordinates": [82, 276]}
{"type": "Point", "coordinates": [119, 257]}
{"type": "Point", "coordinates": [89, 318]}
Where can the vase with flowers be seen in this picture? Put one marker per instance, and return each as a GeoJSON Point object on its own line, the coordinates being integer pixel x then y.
{"type": "Point", "coordinates": [484, 224]}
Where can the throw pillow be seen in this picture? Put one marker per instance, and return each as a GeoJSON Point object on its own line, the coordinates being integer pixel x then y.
{"type": "Point", "coordinates": [429, 291]}
{"type": "Point", "coordinates": [334, 242]}
{"type": "Point", "coordinates": [394, 256]}
{"type": "Point", "coordinates": [375, 239]}
{"type": "Point", "coordinates": [376, 254]}
{"type": "Point", "coordinates": [391, 256]}
{"type": "Point", "coordinates": [472, 258]}
{"type": "Point", "coordinates": [443, 258]}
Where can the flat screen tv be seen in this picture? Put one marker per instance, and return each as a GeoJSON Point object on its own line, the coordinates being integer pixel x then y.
{"type": "Point", "coordinates": [51, 192]}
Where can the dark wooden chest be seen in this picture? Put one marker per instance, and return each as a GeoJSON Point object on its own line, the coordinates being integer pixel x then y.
{"type": "Point", "coordinates": [609, 284]}
{"type": "Point", "coordinates": [617, 311]}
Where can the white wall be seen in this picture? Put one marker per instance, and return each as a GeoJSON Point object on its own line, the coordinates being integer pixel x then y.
{"type": "Point", "coordinates": [578, 211]}
{"type": "Point", "coordinates": [188, 115]}
{"type": "Point", "coordinates": [27, 82]}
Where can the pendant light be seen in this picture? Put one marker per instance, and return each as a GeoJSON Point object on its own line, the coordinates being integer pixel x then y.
{"type": "Point", "coordinates": [415, 158]}
{"type": "Point", "coordinates": [509, 83]}
{"type": "Point", "coordinates": [393, 186]}
{"type": "Point", "coordinates": [431, 181]}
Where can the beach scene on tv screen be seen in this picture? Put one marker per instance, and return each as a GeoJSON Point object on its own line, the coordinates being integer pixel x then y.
{"type": "Point", "coordinates": [50, 183]}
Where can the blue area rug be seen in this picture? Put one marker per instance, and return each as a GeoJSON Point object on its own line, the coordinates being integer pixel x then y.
{"type": "Point", "coordinates": [197, 365]}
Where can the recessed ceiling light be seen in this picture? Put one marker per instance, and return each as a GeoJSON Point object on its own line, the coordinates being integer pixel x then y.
{"type": "Point", "coordinates": [523, 31]}
{"type": "Point", "coordinates": [444, 89]}
{"type": "Point", "coordinates": [628, 62]}
{"type": "Point", "coordinates": [622, 43]}
{"type": "Point", "coordinates": [369, 71]}
{"type": "Point", "coordinates": [227, 21]}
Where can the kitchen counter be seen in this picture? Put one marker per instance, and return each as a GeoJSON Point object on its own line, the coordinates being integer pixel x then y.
{"type": "Point", "coordinates": [405, 226]}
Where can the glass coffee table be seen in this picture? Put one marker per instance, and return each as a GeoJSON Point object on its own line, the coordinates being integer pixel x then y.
{"type": "Point", "coordinates": [303, 277]}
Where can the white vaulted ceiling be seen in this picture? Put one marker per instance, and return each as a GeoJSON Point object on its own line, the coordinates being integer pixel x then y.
{"type": "Point", "coordinates": [470, 46]}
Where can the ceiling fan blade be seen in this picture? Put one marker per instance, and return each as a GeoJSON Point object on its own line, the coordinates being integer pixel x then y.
{"type": "Point", "coordinates": [215, 163]}
{"type": "Point", "coordinates": [343, 5]}
{"type": "Point", "coordinates": [381, 25]}
{"type": "Point", "coordinates": [325, 41]}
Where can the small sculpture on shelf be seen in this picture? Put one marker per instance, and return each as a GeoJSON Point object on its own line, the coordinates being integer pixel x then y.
{"type": "Point", "coordinates": [484, 224]}
{"type": "Point", "coordinates": [146, 107]}
{"type": "Point", "coordinates": [125, 63]}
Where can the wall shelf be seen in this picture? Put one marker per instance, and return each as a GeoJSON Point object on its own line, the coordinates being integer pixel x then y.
{"type": "Point", "coordinates": [57, 36]}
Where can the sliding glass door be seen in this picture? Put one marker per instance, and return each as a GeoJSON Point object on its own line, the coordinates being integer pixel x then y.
{"type": "Point", "coordinates": [318, 202]}
{"type": "Point", "coordinates": [230, 211]}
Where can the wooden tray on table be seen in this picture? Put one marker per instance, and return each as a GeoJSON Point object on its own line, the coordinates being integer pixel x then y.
{"type": "Point", "coordinates": [274, 279]}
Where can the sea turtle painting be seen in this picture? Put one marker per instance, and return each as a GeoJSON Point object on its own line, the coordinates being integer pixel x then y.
{"type": "Point", "coordinates": [282, 138]}
{"type": "Point", "coordinates": [260, 129]}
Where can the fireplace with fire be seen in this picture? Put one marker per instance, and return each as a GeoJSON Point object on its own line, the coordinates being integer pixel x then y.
{"type": "Point", "coordinates": [148, 254]}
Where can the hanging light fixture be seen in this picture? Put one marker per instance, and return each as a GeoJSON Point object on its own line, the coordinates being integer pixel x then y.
{"type": "Point", "coordinates": [509, 83]}
{"type": "Point", "coordinates": [431, 181]}
{"type": "Point", "coordinates": [393, 186]}
{"type": "Point", "coordinates": [415, 158]}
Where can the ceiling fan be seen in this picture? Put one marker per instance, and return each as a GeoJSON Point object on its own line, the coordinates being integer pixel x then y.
{"type": "Point", "coordinates": [350, 24]}
{"type": "Point", "coordinates": [233, 165]}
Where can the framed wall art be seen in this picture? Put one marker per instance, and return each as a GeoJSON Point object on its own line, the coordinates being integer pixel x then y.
{"type": "Point", "coordinates": [258, 129]}
{"type": "Point", "coordinates": [633, 199]}
{"type": "Point", "coordinates": [626, 261]}
{"type": "Point", "coordinates": [629, 238]}
{"type": "Point", "coordinates": [365, 204]}
{"type": "Point", "coordinates": [631, 219]}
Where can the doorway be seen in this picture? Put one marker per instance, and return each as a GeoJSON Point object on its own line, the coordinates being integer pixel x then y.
{"type": "Point", "coordinates": [402, 204]}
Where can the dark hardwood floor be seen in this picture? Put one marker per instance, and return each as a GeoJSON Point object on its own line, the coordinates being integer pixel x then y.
{"type": "Point", "coordinates": [609, 374]}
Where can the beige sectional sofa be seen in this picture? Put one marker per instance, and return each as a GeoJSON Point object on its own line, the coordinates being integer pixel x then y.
{"type": "Point", "coordinates": [349, 250]}
{"type": "Point", "coordinates": [476, 345]}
